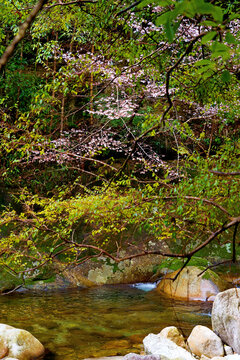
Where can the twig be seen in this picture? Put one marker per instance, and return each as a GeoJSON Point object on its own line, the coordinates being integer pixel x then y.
{"type": "Point", "coordinates": [215, 265]}
{"type": "Point", "coordinates": [128, 8]}
{"type": "Point", "coordinates": [234, 243]}
{"type": "Point", "coordinates": [11, 291]}
{"type": "Point", "coordinates": [208, 201]}
{"type": "Point", "coordinates": [77, 2]}
{"type": "Point", "coordinates": [220, 173]}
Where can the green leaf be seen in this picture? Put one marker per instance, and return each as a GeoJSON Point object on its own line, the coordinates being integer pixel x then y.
{"type": "Point", "coordinates": [144, 3]}
{"type": "Point", "coordinates": [169, 31]}
{"type": "Point", "coordinates": [208, 23]}
{"type": "Point", "coordinates": [163, 18]}
{"type": "Point", "coordinates": [219, 49]}
{"type": "Point", "coordinates": [204, 62]}
{"type": "Point", "coordinates": [226, 76]}
{"type": "Point", "coordinates": [163, 2]}
{"type": "Point", "coordinates": [230, 38]}
{"type": "Point", "coordinates": [208, 37]}
{"type": "Point", "coordinates": [217, 14]}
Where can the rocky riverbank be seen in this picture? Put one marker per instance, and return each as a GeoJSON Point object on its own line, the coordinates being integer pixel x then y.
{"type": "Point", "coordinates": [223, 342]}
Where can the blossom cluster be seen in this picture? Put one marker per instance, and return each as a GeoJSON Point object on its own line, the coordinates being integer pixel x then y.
{"type": "Point", "coordinates": [78, 145]}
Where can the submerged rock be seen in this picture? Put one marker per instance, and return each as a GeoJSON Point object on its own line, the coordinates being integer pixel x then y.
{"type": "Point", "coordinates": [203, 341]}
{"type": "Point", "coordinates": [19, 344]}
{"type": "Point", "coordinates": [226, 317]}
{"type": "Point", "coordinates": [190, 286]}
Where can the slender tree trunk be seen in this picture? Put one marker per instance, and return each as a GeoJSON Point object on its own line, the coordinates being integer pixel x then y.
{"type": "Point", "coordinates": [91, 93]}
{"type": "Point", "coordinates": [54, 77]}
{"type": "Point", "coordinates": [62, 114]}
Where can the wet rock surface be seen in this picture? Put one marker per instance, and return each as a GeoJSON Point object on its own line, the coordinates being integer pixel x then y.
{"type": "Point", "coordinates": [189, 285]}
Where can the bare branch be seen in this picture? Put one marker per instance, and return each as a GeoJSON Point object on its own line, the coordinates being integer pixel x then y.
{"type": "Point", "coordinates": [215, 265]}
{"type": "Point", "coordinates": [234, 243]}
{"type": "Point", "coordinates": [220, 173]}
{"type": "Point", "coordinates": [128, 8]}
{"type": "Point", "coordinates": [208, 201]}
{"type": "Point", "coordinates": [11, 291]}
{"type": "Point", "coordinates": [77, 2]}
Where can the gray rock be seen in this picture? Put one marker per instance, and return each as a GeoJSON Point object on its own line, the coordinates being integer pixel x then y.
{"type": "Point", "coordinates": [133, 356]}
{"type": "Point", "coordinates": [106, 358]}
{"type": "Point", "coordinates": [226, 318]}
{"type": "Point", "coordinates": [203, 341]}
{"type": "Point", "coordinates": [164, 348]}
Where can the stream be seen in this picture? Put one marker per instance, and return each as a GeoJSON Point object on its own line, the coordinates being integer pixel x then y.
{"type": "Point", "coordinates": [102, 321]}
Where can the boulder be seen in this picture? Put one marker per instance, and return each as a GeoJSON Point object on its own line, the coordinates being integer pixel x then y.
{"type": "Point", "coordinates": [203, 341]}
{"type": "Point", "coordinates": [127, 272]}
{"type": "Point", "coordinates": [226, 317]}
{"type": "Point", "coordinates": [173, 334]}
{"type": "Point", "coordinates": [190, 286]}
{"type": "Point", "coordinates": [20, 343]}
{"type": "Point", "coordinates": [164, 348]}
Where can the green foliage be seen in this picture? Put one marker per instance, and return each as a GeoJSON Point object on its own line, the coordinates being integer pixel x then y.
{"type": "Point", "coordinates": [74, 61]}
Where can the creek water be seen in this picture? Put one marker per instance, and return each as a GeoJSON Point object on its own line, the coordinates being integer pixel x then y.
{"type": "Point", "coordinates": [103, 321]}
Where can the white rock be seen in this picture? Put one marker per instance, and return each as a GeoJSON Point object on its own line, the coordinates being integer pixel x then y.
{"type": "Point", "coordinates": [159, 346]}
{"type": "Point", "coordinates": [203, 341]}
{"type": "Point", "coordinates": [173, 334]}
{"type": "Point", "coordinates": [226, 317]}
{"type": "Point", "coordinates": [228, 357]}
{"type": "Point", "coordinates": [203, 357]}
{"type": "Point", "coordinates": [20, 343]}
{"type": "Point", "coordinates": [228, 350]}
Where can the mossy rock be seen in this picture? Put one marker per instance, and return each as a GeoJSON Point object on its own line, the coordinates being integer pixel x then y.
{"type": "Point", "coordinates": [192, 285]}
{"type": "Point", "coordinates": [8, 280]}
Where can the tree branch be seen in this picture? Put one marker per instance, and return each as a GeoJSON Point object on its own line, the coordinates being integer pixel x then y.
{"type": "Point", "coordinates": [220, 173]}
{"type": "Point", "coordinates": [77, 2]}
{"type": "Point", "coordinates": [207, 201]}
{"type": "Point", "coordinates": [21, 33]}
{"type": "Point", "coordinates": [128, 8]}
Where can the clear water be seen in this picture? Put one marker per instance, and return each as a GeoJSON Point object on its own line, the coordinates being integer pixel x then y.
{"type": "Point", "coordinates": [103, 321]}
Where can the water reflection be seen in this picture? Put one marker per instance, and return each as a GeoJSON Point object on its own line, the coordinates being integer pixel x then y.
{"type": "Point", "coordinates": [105, 321]}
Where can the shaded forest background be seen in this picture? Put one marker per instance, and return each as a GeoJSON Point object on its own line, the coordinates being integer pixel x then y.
{"type": "Point", "coordinates": [119, 126]}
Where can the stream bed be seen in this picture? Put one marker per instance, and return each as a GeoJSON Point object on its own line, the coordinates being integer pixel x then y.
{"type": "Point", "coordinates": [102, 321]}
